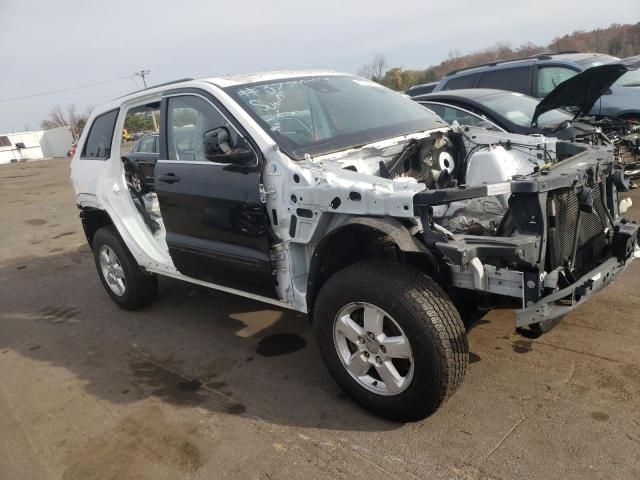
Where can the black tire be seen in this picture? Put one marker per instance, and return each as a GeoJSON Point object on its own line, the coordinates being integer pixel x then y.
{"type": "Point", "coordinates": [140, 287]}
{"type": "Point", "coordinates": [429, 320]}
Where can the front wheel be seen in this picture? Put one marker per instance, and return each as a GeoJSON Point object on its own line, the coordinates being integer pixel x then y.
{"type": "Point", "coordinates": [391, 338]}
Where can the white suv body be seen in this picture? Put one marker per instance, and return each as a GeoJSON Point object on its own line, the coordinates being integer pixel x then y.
{"type": "Point", "coordinates": [331, 195]}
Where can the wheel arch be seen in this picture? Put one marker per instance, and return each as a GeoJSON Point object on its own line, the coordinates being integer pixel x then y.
{"type": "Point", "coordinates": [360, 238]}
{"type": "Point", "coordinates": [92, 220]}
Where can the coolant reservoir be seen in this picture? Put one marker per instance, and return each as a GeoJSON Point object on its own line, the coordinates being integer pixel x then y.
{"type": "Point", "coordinates": [495, 165]}
{"type": "Point", "coordinates": [625, 204]}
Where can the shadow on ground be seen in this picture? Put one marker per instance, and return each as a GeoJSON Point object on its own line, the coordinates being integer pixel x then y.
{"type": "Point", "coordinates": [193, 347]}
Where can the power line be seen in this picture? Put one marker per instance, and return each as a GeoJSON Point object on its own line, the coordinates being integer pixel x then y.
{"type": "Point", "coordinates": [142, 73]}
{"type": "Point", "coordinates": [2, 100]}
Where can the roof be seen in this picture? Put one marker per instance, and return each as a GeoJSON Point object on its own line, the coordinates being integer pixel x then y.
{"type": "Point", "coordinates": [463, 93]}
{"type": "Point", "coordinates": [239, 79]}
{"type": "Point", "coordinates": [565, 56]}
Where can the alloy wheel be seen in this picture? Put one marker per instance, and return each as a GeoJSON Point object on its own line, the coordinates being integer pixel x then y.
{"type": "Point", "coordinates": [373, 348]}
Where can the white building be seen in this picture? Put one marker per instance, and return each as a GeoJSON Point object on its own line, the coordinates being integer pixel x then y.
{"type": "Point", "coordinates": [19, 146]}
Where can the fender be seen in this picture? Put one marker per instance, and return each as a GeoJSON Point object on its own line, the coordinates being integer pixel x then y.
{"type": "Point", "coordinates": [389, 226]}
{"type": "Point", "coordinates": [375, 226]}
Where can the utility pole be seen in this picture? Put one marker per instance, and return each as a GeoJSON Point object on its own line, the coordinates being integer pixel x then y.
{"type": "Point", "coordinates": [143, 73]}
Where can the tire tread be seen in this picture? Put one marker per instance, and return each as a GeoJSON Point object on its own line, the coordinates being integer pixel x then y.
{"type": "Point", "coordinates": [427, 302]}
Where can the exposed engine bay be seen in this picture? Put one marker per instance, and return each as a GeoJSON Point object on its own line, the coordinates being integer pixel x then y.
{"type": "Point", "coordinates": [624, 135]}
{"type": "Point", "coordinates": [463, 157]}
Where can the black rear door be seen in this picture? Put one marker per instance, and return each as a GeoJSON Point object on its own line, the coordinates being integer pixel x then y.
{"type": "Point", "coordinates": [215, 222]}
{"type": "Point", "coordinates": [145, 155]}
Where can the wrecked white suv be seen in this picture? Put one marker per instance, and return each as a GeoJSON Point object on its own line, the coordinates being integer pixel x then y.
{"type": "Point", "coordinates": [333, 196]}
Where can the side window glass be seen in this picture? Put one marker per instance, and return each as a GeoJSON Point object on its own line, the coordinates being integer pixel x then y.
{"type": "Point", "coordinates": [463, 81]}
{"type": "Point", "coordinates": [146, 144]}
{"type": "Point", "coordinates": [550, 77]}
{"type": "Point", "coordinates": [513, 79]}
{"type": "Point", "coordinates": [436, 108]}
{"type": "Point", "coordinates": [451, 114]}
{"type": "Point", "coordinates": [188, 119]}
{"type": "Point", "coordinates": [98, 143]}
{"type": "Point", "coordinates": [139, 125]}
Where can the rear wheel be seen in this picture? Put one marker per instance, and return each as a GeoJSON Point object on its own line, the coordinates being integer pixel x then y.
{"type": "Point", "coordinates": [136, 180]}
{"type": "Point", "coordinates": [391, 338]}
{"type": "Point", "coordinates": [122, 278]}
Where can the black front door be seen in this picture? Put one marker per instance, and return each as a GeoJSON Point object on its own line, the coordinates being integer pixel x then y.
{"type": "Point", "coordinates": [216, 224]}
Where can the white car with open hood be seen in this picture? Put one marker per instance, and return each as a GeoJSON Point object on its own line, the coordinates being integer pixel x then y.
{"type": "Point", "coordinates": [331, 195]}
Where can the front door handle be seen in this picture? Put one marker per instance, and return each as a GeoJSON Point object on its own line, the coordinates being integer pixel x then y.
{"type": "Point", "coordinates": [169, 178]}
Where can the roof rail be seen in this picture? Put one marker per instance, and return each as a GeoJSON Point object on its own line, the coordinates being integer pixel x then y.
{"type": "Point", "coordinates": [180, 80]}
{"type": "Point", "coordinates": [539, 56]}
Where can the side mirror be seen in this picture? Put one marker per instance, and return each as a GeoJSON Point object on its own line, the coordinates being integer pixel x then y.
{"type": "Point", "coordinates": [216, 142]}
{"type": "Point", "coordinates": [219, 148]}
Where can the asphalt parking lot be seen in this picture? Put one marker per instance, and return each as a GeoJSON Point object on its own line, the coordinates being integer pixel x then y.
{"type": "Point", "coordinates": [206, 385]}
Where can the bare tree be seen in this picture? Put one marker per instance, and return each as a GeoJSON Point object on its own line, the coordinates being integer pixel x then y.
{"type": "Point", "coordinates": [58, 118]}
{"type": "Point", "coordinates": [375, 69]}
{"type": "Point", "coordinates": [57, 115]}
{"type": "Point", "coordinates": [74, 118]}
{"type": "Point", "coordinates": [55, 118]}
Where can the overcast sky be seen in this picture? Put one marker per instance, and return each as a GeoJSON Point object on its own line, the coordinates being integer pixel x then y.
{"type": "Point", "coordinates": [50, 45]}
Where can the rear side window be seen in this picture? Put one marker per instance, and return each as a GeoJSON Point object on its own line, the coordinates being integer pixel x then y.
{"type": "Point", "coordinates": [550, 77]}
{"type": "Point", "coordinates": [513, 79]}
{"type": "Point", "coordinates": [98, 143]}
{"type": "Point", "coordinates": [463, 81]}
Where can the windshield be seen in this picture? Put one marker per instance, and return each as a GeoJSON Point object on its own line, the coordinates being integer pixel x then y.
{"type": "Point", "coordinates": [519, 108]}
{"type": "Point", "coordinates": [629, 79]}
{"type": "Point", "coordinates": [596, 61]}
{"type": "Point", "coordinates": [323, 114]}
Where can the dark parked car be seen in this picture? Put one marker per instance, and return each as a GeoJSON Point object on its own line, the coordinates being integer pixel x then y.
{"type": "Point", "coordinates": [539, 75]}
{"type": "Point", "coordinates": [140, 163]}
{"type": "Point", "coordinates": [421, 89]}
{"type": "Point", "coordinates": [518, 113]}
{"type": "Point", "coordinates": [501, 110]}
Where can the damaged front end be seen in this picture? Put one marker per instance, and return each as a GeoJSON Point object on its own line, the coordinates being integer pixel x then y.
{"type": "Point", "coordinates": [561, 239]}
{"type": "Point", "coordinates": [624, 135]}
